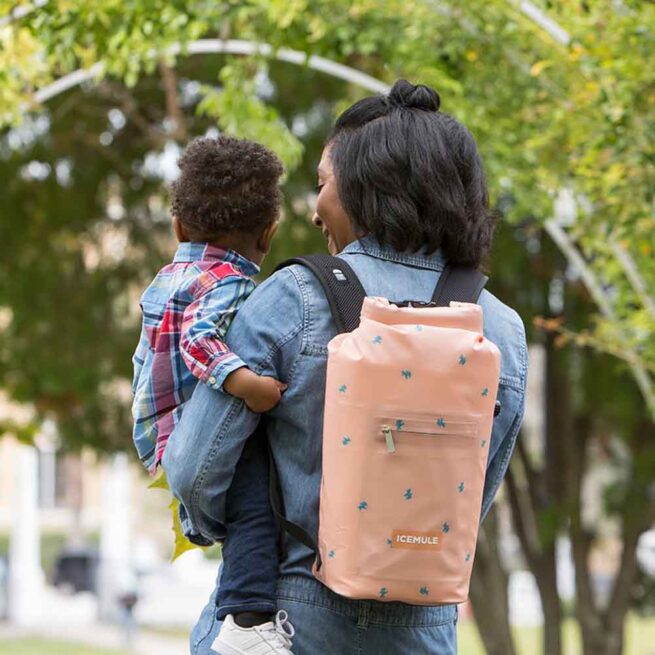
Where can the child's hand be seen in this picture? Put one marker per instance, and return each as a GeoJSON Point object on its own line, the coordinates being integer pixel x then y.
{"type": "Point", "coordinates": [260, 393]}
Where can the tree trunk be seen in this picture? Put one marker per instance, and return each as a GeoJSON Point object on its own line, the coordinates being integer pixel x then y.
{"type": "Point", "coordinates": [546, 576]}
{"type": "Point", "coordinates": [540, 557]}
{"type": "Point", "coordinates": [603, 628]}
{"type": "Point", "coordinates": [489, 581]}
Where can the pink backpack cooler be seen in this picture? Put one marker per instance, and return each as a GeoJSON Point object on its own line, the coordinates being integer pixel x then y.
{"type": "Point", "coordinates": [409, 406]}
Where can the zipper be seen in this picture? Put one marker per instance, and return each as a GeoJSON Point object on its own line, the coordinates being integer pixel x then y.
{"type": "Point", "coordinates": [466, 429]}
{"type": "Point", "coordinates": [388, 437]}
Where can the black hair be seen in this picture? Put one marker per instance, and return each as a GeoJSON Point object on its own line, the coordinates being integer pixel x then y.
{"type": "Point", "coordinates": [226, 186]}
{"type": "Point", "coordinates": [411, 176]}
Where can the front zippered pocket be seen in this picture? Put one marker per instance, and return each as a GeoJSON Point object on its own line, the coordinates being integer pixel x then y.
{"type": "Point", "coordinates": [440, 427]}
{"type": "Point", "coordinates": [419, 499]}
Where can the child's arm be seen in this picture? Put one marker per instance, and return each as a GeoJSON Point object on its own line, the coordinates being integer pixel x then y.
{"type": "Point", "coordinates": [202, 343]}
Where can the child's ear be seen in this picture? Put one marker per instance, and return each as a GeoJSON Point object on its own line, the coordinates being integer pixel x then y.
{"type": "Point", "coordinates": [180, 232]}
{"type": "Point", "coordinates": [266, 237]}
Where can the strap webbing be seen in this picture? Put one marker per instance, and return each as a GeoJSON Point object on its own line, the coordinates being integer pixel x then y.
{"type": "Point", "coordinates": [297, 532]}
{"type": "Point", "coordinates": [342, 287]}
{"type": "Point", "coordinates": [459, 283]}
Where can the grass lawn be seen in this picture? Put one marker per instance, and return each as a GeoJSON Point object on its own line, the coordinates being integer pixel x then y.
{"type": "Point", "coordinates": [640, 638]}
{"type": "Point", "coordinates": [38, 647]}
{"type": "Point", "coordinates": [640, 641]}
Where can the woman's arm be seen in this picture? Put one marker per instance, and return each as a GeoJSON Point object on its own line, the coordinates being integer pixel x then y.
{"type": "Point", "coordinates": [202, 453]}
{"type": "Point", "coordinates": [511, 395]}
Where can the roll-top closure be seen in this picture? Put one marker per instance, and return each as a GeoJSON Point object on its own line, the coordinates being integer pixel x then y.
{"type": "Point", "coordinates": [466, 316]}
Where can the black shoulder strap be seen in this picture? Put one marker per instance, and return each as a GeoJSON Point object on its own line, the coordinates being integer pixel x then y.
{"type": "Point", "coordinates": [342, 287]}
{"type": "Point", "coordinates": [277, 503]}
{"type": "Point", "coordinates": [459, 283]}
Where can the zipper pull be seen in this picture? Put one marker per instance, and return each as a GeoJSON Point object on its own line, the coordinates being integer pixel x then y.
{"type": "Point", "coordinates": [388, 437]}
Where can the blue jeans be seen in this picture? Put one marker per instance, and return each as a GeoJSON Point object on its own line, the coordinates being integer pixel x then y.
{"type": "Point", "coordinates": [250, 550]}
{"type": "Point", "coordinates": [328, 624]}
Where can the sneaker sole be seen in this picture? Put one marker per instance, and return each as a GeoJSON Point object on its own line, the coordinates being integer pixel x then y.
{"type": "Point", "coordinates": [225, 649]}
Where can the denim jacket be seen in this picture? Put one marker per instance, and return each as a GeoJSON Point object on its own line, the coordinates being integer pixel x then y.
{"type": "Point", "coordinates": [283, 330]}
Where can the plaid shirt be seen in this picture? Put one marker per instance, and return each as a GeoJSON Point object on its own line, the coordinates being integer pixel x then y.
{"type": "Point", "coordinates": [187, 310]}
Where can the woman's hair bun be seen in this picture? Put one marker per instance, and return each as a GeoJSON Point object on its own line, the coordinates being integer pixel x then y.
{"type": "Point", "coordinates": [414, 96]}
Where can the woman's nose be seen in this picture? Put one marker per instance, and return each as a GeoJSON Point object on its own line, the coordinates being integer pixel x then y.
{"type": "Point", "coordinates": [316, 221]}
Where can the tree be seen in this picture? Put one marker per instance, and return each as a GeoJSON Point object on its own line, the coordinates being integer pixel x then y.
{"type": "Point", "coordinates": [549, 116]}
{"type": "Point", "coordinates": [85, 220]}
{"type": "Point", "coordinates": [563, 126]}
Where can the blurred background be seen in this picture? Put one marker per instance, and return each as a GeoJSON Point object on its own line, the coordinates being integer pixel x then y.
{"type": "Point", "coordinates": [96, 102]}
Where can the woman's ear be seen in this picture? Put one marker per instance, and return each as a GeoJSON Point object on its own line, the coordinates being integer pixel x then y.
{"type": "Point", "coordinates": [266, 237]}
{"type": "Point", "coordinates": [179, 230]}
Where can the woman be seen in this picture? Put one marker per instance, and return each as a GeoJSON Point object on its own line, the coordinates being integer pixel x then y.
{"type": "Point", "coordinates": [401, 191]}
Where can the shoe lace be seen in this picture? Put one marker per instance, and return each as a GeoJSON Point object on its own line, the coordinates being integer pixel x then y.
{"type": "Point", "coordinates": [282, 632]}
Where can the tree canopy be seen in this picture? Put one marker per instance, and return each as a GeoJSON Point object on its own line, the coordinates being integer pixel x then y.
{"type": "Point", "coordinates": [563, 125]}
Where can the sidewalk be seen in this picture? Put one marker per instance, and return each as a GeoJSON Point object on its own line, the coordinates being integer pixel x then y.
{"type": "Point", "coordinates": [170, 600]}
{"type": "Point", "coordinates": [102, 636]}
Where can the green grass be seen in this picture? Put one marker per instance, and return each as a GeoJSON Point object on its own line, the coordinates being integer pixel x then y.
{"type": "Point", "coordinates": [38, 647]}
{"type": "Point", "coordinates": [640, 638]}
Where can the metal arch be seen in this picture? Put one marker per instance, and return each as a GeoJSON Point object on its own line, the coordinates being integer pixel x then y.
{"type": "Point", "coordinates": [233, 47]}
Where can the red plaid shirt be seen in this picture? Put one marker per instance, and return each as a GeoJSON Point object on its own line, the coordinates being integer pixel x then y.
{"type": "Point", "coordinates": [187, 310]}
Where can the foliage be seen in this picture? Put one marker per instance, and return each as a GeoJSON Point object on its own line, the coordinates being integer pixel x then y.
{"type": "Point", "coordinates": [548, 116]}
{"type": "Point", "coordinates": [180, 543]}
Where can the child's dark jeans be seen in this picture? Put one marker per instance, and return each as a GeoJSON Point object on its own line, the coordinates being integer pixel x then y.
{"type": "Point", "coordinates": [250, 550]}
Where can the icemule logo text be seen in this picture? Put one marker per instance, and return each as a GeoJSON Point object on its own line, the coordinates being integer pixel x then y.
{"type": "Point", "coordinates": [411, 540]}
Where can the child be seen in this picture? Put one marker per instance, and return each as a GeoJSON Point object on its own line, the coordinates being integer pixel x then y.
{"type": "Point", "coordinates": [225, 214]}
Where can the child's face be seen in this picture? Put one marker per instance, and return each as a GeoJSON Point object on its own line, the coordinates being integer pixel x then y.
{"type": "Point", "coordinates": [330, 216]}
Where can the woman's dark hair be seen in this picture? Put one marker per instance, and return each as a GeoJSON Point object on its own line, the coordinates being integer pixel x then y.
{"type": "Point", "coordinates": [226, 186]}
{"type": "Point", "coordinates": [412, 176]}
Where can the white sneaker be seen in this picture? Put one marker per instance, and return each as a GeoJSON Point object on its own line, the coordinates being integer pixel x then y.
{"type": "Point", "coordinates": [266, 639]}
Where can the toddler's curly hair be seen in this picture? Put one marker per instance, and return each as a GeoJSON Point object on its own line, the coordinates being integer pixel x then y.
{"type": "Point", "coordinates": [226, 186]}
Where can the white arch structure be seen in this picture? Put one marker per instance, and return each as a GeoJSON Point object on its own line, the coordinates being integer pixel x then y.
{"type": "Point", "coordinates": [552, 226]}
{"type": "Point", "coordinates": [230, 47]}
